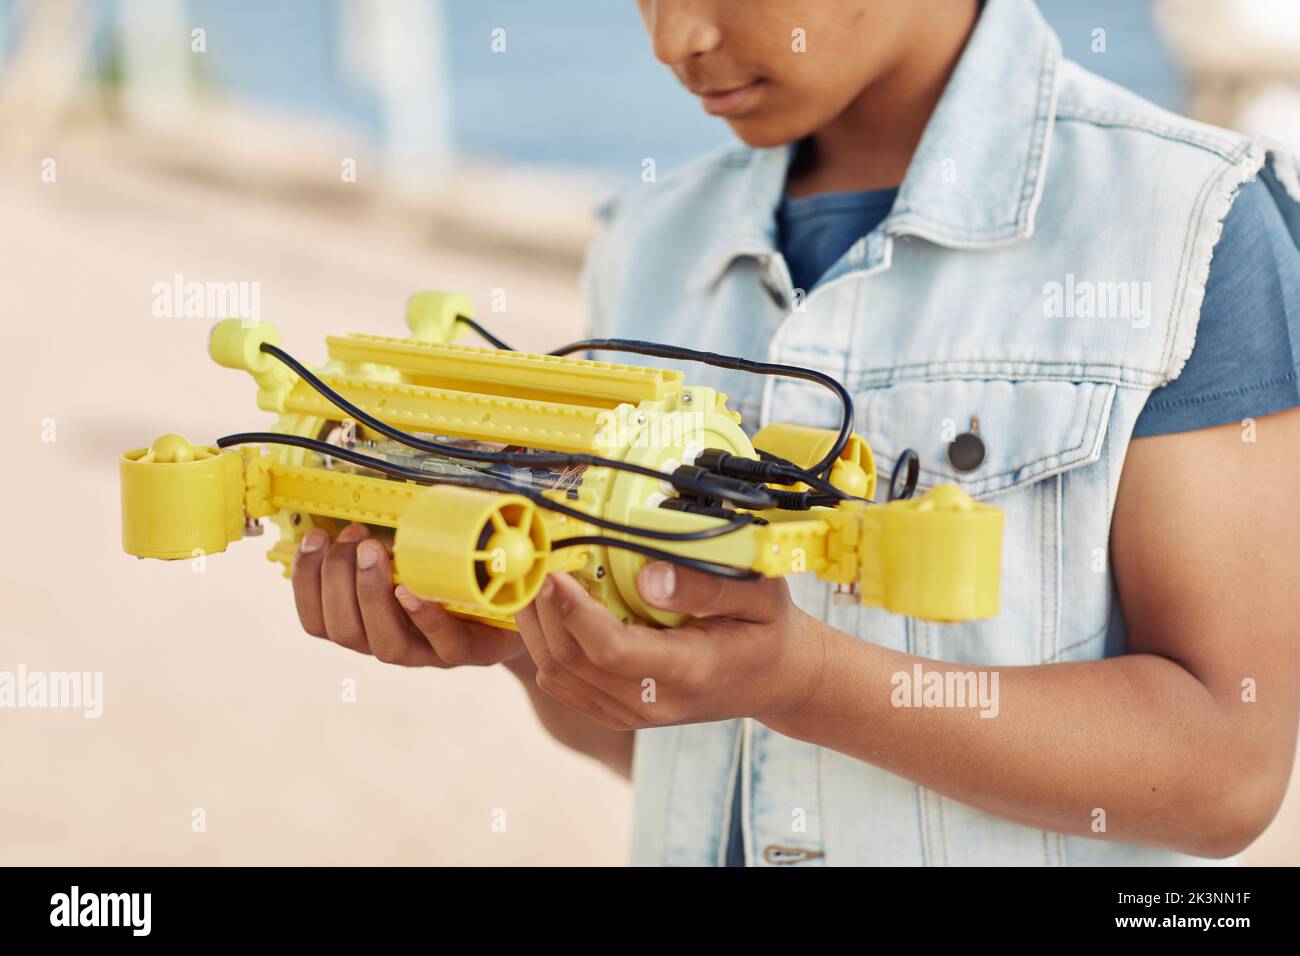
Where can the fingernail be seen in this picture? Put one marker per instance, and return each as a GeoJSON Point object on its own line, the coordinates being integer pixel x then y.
{"type": "Point", "coordinates": [353, 532]}
{"type": "Point", "coordinates": [368, 552]}
{"type": "Point", "coordinates": [660, 581]}
{"type": "Point", "coordinates": [548, 588]}
{"type": "Point", "coordinates": [406, 597]}
{"type": "Point", "coordinates": [313, 541]}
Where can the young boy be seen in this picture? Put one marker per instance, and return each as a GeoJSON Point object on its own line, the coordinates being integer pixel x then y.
{"type": "Point", "coordinates": [1102, 300]}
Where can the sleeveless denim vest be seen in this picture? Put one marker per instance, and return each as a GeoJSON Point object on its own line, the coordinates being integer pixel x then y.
{"type": "Point", "coordinates": [1042, 272]}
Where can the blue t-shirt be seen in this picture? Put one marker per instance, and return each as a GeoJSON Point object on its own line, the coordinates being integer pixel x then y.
{"type": "Point", "coordinates": [1246, 361]}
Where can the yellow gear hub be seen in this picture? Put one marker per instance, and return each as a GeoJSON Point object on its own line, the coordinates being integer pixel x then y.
{"type": "Point", "coordinates": [467, 548]}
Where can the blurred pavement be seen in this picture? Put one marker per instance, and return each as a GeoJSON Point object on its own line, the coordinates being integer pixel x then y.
{"type": "Point", "coordinates": [214, 698]}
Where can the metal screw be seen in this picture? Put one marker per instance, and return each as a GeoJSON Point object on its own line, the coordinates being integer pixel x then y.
{"type": "Point", "coordinates": [600, 573]}
{"type": "Point", "coordinates": [295, 519]}
{"type": "Point", "coordinates": [687, 398]}
{"type": "Point", "coordinates": [845, 594]}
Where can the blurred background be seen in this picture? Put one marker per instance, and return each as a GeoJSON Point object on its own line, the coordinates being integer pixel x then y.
{"type": "Point", "coordinates": [341, 154]}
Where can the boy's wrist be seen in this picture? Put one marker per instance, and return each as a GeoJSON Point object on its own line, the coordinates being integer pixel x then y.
{"type": "Point", "coordinates": [803, 679]}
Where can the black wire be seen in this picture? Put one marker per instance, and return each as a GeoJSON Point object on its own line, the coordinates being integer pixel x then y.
{"type": "Point", "coordinates": [518, 460]}
{"type": "Point", "coordinates": [814, 480]}
{"type": "Point", "coordinates": [796, 474]}
{"type": "Point", "coordinates": [770, 469]}
{"type": "Point", "coordinates": [775, 459]}
{"type": "Point", "coordinates": [829, 501]}
{"type": "Point", "coordinates": [908, 465]}
{"type": "Point", "coordinates": [803, 475]}
{"type": "Point", "coordinates": [697, 564]}
{"type": "Point", "coordinates": [739, 364]}
{"type": "Point", "coordinates": [484, 333]}
{"type": "Point", "coordinates": [484, 482]}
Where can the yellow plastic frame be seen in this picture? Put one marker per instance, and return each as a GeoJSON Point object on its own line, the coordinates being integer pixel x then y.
{"type": "Point", "coordinates": [485, 554]}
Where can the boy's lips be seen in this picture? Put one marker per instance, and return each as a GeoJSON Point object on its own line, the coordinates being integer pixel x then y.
{"type": "Point", "coordinates": [723, 102]}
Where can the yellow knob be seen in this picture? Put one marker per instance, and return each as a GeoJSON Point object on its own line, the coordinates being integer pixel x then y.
{"type": "Point", "coordinates": [946, 498]}
{"type": "Point", "coordinates": [172, 448]}
{"type": "Point", "coordinates": [850, 478]}
{"type": "Point", "coordinates": [432, 316]}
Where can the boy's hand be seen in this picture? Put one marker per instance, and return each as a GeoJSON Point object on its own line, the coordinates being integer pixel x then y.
{"type": "Point", "coordinates": [344, 591]}
{"type": "Point", "coordinates": [750, 652]}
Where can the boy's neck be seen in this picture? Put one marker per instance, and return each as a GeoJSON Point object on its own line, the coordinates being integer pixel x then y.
{"type": "Point", "coordinates": [870, 144]}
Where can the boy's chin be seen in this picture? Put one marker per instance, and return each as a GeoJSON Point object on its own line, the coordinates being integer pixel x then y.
{"type": "Point", "coordinates": [764, 133]}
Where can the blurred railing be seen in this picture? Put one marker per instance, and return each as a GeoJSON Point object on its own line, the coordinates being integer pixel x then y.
{"type": "Point", "coordinates": [1243, 62]}
{"type": "Point", "coordinates": [133, 77]}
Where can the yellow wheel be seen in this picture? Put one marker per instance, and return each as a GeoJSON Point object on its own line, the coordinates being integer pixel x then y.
{"type": "Point", "coordinates": [472, 548]}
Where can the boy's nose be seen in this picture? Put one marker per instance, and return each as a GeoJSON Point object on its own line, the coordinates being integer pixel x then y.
{"type": "Point", "coordinates": [683, 29]}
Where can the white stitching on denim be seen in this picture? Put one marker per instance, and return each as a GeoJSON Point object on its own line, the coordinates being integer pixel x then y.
{"type": "Point", "coordinates": [1061, 651]}
{"type": "Point", "coordinates": [1221, 146]}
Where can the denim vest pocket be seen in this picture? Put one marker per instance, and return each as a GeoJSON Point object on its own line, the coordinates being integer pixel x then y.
{"type": "Point", "coordinates": [1030, 429]}
{"type": "Point", "coordinates": [1044, 442]}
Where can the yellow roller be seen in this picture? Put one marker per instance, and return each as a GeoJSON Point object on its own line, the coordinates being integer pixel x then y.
{"type": "Point", "coordinates": [471, 548]}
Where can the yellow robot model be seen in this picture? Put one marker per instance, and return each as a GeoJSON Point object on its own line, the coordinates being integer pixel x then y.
{"type": "Point", "coordinates": [491, 468]}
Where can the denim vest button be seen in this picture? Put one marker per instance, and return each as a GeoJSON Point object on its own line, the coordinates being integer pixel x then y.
{"type": "Point", "coordinates": [966, 452]}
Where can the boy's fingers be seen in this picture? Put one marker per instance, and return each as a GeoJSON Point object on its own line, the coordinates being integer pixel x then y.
{"type": "Point", "coordinates": [338, 574]}
{"type": "Point", "coordinates": [553, 603]}
{"type": "Point", "coordinates": [567, 687]}
{"type": "Point", "coordinates": [389, 632]}
{"type": "Point", "coordinates": [447, 638]}
{"type": "Point", "coordinates": [700, 594]}
{"type": "Point", "coordinates": [530, 632]}
{"type": "Point", "coordinates": [632, 652]}
{"type": "Point", "coordinates": [306, 581]}
{"type": "Point", "coordinates": [609, 656]}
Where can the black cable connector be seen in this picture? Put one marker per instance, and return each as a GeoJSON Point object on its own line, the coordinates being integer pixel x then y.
{"type": "Point", "coordinates": [737, 491]}
{"type": "Point", "coordinates": [774, 470]}
{"type": "Point", "coordinates": [796, 500]}
{"type": "Point", "coordinates": [734, 466]}
{"type": "Point", "coordinates": [690, 506]}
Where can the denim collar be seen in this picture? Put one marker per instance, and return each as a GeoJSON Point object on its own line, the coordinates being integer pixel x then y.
{"type": "Point", "coordinates": [977, 175]}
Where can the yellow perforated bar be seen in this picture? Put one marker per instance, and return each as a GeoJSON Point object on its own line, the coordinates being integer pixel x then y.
{"type": "Point", "coordinates": [547, 425]}
{"type": "Point", "coordinates": [514, 374]}
{"type": "Point", "coordinates": [314, 490]}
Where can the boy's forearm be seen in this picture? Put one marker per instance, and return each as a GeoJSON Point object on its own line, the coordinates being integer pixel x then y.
{"type": "Point", "coordinates": [1137, 737]}
{"type": "Point", "coordinates": [575, 730]}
